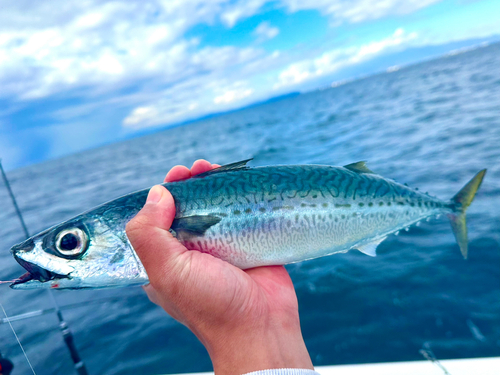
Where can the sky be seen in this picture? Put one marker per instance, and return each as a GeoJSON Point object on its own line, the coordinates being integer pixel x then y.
{"type": "Point", "coordinates": [75, 75]}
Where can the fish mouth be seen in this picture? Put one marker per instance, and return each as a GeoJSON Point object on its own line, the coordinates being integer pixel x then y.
{"type": "Point", "coordinates": [36, 273]}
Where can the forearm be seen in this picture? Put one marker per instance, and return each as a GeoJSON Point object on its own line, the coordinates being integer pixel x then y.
{"type": "Point", "coordinates": [271, 343]}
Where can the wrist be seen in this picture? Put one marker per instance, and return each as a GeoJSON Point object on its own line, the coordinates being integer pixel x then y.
{"type": "Point", "coordinates": [267, 343]}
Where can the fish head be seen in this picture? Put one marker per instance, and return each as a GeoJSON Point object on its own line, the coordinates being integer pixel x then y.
{"type": "Point", "coordinates": [89, 251]}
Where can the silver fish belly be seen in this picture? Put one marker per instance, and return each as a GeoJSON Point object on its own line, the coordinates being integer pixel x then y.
{"type": "Point", "coordinates": [248, 217]}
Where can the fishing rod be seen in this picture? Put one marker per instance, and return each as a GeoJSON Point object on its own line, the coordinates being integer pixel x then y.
{"type": "Point", "coordinates": [78, 363]}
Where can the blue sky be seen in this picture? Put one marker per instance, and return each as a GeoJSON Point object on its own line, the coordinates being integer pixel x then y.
{"type": "Point", "coordinates": [76, 75]}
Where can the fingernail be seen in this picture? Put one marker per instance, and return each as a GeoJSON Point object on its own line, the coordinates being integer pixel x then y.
{"type": "Point", "coordinates": [154, 195]}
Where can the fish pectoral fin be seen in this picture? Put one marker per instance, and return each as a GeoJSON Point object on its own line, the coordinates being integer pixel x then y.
{"type": "Point", "coordinates": [359, 167]}
{"type": "Point", "coordinates": [196, 225]}
{"type": "Point", "coordinates": [371, 247]}
{"type": "Point", "coordinates": [225, 168]}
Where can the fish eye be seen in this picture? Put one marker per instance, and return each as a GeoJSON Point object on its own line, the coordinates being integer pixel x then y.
{"type": "Point", "coordinates": [71, 242]}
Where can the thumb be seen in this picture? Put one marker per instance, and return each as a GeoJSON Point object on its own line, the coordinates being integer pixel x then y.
{"type": "Point", "coordinates": [148, 233]}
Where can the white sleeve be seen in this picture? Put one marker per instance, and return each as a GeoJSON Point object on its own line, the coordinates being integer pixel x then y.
{"type": "Point", "coordinates": [284, 371]}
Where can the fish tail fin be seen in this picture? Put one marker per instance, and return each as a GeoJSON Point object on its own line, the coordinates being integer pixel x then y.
{"type": "Point", "coordinates": [461, 201]}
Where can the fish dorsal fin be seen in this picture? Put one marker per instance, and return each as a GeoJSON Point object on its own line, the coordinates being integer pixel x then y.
{"type": "Point", "coordinates": [226, 168]}
{"type": "Point", "coordinates": [359, 167]}
{"type": "Point", "coordinates": [371, 247]}
{"type": "Point", "coordinates": [196, 225]}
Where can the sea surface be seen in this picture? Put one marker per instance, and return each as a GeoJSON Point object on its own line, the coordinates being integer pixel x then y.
{"type": "Point", "coordinates": [431, 125]}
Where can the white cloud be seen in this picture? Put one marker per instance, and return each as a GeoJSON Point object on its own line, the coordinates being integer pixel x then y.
{"type": "Point", "coordinates": [102, 45]}
{"type": "Point", "coordinates": [241, 10]}
{"type": "Point", "coordinates": [135, 56]}
{"type": "Point", "coordinates": [358, 10]}
{"type": "Point", "coordinates": [221, 89]}
{"type": "Point", "coordinates": [233, 93]}
{"type": "Point", "coordinates": [232, 96]}
{"type": "Point", "coordinates": [196, 95]}
{"type": "Point", "coordinates": [351, 11]}
{"type": "Point", "coordinates": [141, 115]}
{"type": "Point", "coordinates": [264, 31]}
{"type": "Point", "coordinates": [339, 10]}
{"type": "Point", "coordinates": [333, 60]}
{"type": "Point", "coordinates": [165, 111]}
{"type": "Point", "coordinates": [189, 99]}
{"type": "Point", "coordinates": [89, 20]}
{"type": "Point", "coordinates": [368, 50]}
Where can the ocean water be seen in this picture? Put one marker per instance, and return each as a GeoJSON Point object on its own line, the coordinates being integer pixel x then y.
{"type": "Point", "coordinates": [431, 125]}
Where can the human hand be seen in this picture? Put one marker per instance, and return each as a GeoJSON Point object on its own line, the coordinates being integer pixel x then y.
{"type": "Point", "coordinates": [248, 320]}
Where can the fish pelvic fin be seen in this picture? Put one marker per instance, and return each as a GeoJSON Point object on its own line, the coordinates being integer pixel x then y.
{"type": "Point", "coordinates": [461, 201]}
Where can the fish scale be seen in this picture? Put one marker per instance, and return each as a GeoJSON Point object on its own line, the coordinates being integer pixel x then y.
{"type": "Point", "coordinates": [248, 217]}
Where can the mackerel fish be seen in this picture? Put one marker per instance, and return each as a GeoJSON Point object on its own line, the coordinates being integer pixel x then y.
{"type": "Point", "coordinates": [249, 217]}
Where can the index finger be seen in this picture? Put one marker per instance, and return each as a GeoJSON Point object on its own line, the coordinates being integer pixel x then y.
{"type": "Point", "coordinates": [180, 172]}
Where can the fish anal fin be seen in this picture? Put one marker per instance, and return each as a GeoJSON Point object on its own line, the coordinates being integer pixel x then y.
{"type": "Point", "coordinates": [370, 248]}
{"type": "Point", "coordinates": [195, 225]}
{"type": "Point", "coordinates": [226, 168]}
{"type": "Point", "coordinates": [359, 167]}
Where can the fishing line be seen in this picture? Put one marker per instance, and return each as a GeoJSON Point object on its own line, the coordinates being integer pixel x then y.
{"type": "Point", "coordinates": [429, 355]}
{"type": "Point", "coordinates": [17, 338]}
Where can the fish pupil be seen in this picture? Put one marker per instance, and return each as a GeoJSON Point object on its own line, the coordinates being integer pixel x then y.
{"type": "Point", "coordinates": [69, 242]}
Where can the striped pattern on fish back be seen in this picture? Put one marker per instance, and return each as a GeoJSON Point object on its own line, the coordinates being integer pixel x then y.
{"type": "Point", "coordinates": [268, 184]}
{"type": "Point", "coordinates": [275, 215]}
